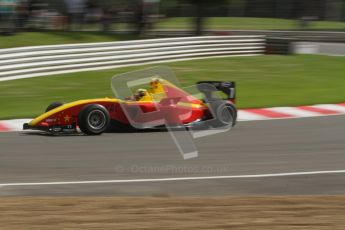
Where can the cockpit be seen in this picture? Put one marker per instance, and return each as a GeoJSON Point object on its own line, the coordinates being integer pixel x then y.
{"type": "Point", "coordinates": [154, 93]}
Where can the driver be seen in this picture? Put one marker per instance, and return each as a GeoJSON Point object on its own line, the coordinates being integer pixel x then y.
{"type": "Point", "coordinates": [139, 94]}
{"type": "Point", "coordinates": [147, 95]}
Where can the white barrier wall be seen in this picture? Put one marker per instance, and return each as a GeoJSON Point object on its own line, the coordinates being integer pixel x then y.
{"type": "Point", "coordinates": [26, 62]}
{"type": "Point", "coordinates": [336, 49]}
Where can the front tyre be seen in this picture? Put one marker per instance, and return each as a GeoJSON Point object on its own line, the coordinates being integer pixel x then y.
{"type": "Point", "coordinates": [93, 119]}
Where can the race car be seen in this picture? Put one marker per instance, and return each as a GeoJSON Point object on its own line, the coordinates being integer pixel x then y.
{"type": "Point", "coordinates": [162, 104]}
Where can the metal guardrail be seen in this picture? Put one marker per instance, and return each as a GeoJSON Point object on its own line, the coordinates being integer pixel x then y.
{"type": "Point", "coordinates": [25, 62]}
{"type": "Point", "coordinates": [300, 35]}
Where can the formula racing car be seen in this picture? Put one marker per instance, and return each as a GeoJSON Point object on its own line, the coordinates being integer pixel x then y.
{"type": "Point", "coordinates": [162, 104]}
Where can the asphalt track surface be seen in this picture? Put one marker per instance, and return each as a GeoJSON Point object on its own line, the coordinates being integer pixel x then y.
{"type": "Point", "coordinates": [251, 148]}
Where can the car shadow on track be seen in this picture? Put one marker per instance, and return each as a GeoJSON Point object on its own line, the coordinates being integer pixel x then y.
{"type": "Point", "coordinates": [78, 134]}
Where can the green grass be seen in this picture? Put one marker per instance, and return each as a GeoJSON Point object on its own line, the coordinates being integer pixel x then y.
{"type": "Point", "coordinates": [262, 81]}
{"type": "Point", "coordinates": [57, 37]}
{"type": "Point", "coordinates": [240, 23]}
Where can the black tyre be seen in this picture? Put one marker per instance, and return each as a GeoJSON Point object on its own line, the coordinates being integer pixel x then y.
{"type": "Point", "coordinates": [233, 110]}
{"type": "Point", "coordinates": [93, 119]}
{"type": "Point", "coordinates": [53, 106]}
{"type": "Point", "coordinates": [225, 113]}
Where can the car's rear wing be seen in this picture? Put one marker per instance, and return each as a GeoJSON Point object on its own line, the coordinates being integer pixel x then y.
{"type": "Point", "coordinates": [209, 87]}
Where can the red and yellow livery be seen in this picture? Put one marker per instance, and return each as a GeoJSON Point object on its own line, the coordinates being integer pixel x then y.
{"type": "Point", "coordinates": [162, 104]}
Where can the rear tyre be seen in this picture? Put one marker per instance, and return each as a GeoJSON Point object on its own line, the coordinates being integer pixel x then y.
{"type": "Point", "coordinates": [225, 114]}
{"type": "Point", "coordinates": [93, 119]}
{"type": "Point", "coordinates": [53, 106]}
